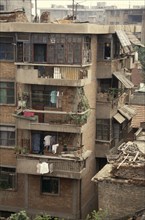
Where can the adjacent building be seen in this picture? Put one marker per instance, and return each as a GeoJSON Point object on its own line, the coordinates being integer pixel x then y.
{"type": "Point", "coordinates": [99, 14]}
{"type": "Point", "coordinates": [64, 100]}
{"type": "Point", "coordinates": [124, 16]}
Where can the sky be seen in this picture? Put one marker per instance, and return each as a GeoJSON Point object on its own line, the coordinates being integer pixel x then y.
{"type": "Point", "coordinates": [119, 4]}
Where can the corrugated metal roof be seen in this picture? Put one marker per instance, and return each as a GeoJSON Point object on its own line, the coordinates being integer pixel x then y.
{"type": "Point", "coordinates": [133, 39]}
{"type": "Point", "coordinates": [126, 82]}
{"type": "Point", "coordinates": [127, 111]}
{"type": "Point", "coordinates": [139, 117]}
{"type": "Point", "coordinates": [125, 42]}
{"type": "Point", "coordinates": [118, 117]}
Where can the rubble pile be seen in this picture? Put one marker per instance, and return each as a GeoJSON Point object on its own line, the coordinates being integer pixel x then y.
{"type": "Point", "coordinates": [45, 17]}
{"type": "Point", "coordinates": [13, 16]}
{"type": "Point", "coordinates": [128, 162]}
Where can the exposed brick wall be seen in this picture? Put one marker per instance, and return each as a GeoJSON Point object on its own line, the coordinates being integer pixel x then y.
{"type": "Point", "coordinates": [50, 203]}
{"type": "Point", "coordinates": [7, 70]}
{"type": "Point", "coordinates": [6, 115]}
{"type": "Point", "coordinates": [7, 157]}
{"type": "Point", "coordinates": [120, 199]}
{"type": "Point", "coordinates": [13, 200]}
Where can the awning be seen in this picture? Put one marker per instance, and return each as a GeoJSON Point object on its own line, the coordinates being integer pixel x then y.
{"type": "Point", "coordinates": [126, 82]}
{"type": "Point", "coordinates": [127, 111]}
{"type": "Point", "coordinates": [124, 41]}
{"type": "Point", "coordinates": [134, 40]}
{"type": "Point", "coordinates": [118, 117]}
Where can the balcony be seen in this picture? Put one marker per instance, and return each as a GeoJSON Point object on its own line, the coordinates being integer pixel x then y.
{"type": "Point", "coordinates": [50, 75]}
{"type": "Point", "coordinates": [107, 67]}
{"type": "Point", "coordinates": [63, 166]}
{"type": "Point", "coordinates": [57, 121]}
{"type": "Point", "coordinates": [108, 104]}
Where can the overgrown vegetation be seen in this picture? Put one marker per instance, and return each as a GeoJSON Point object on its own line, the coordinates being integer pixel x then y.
{"type": "Point", "coordinates": [98, 215]}
{"type": "Point", "coordinates": [22, 215]}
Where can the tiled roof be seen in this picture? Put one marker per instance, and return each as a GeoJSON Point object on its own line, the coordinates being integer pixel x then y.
{"type": "Point", "coordinates": [139, 117]}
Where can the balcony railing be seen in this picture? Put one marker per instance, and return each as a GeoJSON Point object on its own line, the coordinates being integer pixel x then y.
{"type": "Point", "coordinates": [57, 166]}
{"type": "Point", "coordinates": [50, 75]}
{"type": "Point", "coordinates": [39, 120]}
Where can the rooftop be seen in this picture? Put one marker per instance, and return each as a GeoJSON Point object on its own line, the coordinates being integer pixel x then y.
{"type": "Point", "coordinates": [77, 28]}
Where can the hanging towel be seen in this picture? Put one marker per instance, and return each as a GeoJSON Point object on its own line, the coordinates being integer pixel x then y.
{"type": "Point", "coordinates": [44, 168]}
{"type": "Point", "coordinates": [54, 148]}
{"type": "Point", "coordinates": [38, 167]}
{"type": "Point", "coordinates": [51, 167]}
{"type": "Point", "coordinates": [53, 96]}
{"type": "Point", "coordinates": [47, 140]}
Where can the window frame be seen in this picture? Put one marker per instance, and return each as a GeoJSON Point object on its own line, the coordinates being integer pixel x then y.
{"type": "Point", "coordinates": [7, 43]}
{"type": "Point", "coordinates": [107, 51]}
{"type": "Point", "coordinates": [42, 47]}
{"type": "Point", "coordinates": [53, 179]}
{"type": "Point", "coordinates": [6, 89]}
{"type": "Point", "coordinates": [44, 92]}
{"type": "Point", "coordinates": [11, 175]}
{"type": "Point", "coordinates": [2, 7]}
{"type": "Point", "coordinates": [8, 128]}
{"type": "Point", "coordinates": [102, 128]}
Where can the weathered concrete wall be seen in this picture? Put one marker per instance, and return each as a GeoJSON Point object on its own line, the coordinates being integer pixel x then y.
{"type": "Point", "coordinates": [120, 199]}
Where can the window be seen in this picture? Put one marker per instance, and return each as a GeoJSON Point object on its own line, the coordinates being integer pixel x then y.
{"type": "Point", "coordinates": [7, 136]}
{"type": "Point", "coordinates": [107, 51]}
{"type": "Point", "coordinates": [103, 129]}
{"type": "Point", "coordinates": [1, 7]}
{"type": "Point", "coordinates": [50, 185]}
{"type": "Point", "coordinates": [6, 48]}
{"type": "Point", "coordinates": [40, 51]}
{"type": "Point", "coordinates": [46, 96]}
{"type": "Point", "coordinates": [6, 51]}
{"type": "Point", "coordinates": [105, 85]}
{"type": "Point", "coordinates": [7, 93]}
{"type": "Point", "coordinates": [7, 178]}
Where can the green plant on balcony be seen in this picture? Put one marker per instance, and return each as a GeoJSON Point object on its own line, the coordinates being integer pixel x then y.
{"type": "Point", "coordinates": [79, 119]}
{"type": "Point", "coordinates": [21, 150]}
{"type": "Point", "coordinates": [82, 106]}
{"type": "Point", "coordinates": [114, 93]}
{"type": "Point", "coordinates": [23, 98]}
{"type": "Point", "coordinates": [17, 150]}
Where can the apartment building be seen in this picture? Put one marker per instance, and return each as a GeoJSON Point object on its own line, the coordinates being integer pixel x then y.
{"type": "Point", "coordinates": [56, 80]}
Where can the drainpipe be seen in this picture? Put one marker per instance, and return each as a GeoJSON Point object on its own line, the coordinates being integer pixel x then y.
{"type": "Point", "coordinates": [80, 198]}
